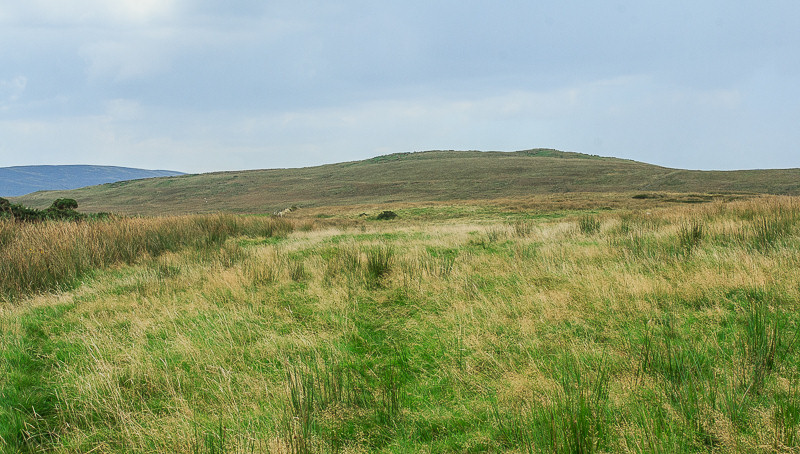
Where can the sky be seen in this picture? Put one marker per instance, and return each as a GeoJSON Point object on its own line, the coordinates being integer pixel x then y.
{"type": "Point", "coordinates": [202, 85]}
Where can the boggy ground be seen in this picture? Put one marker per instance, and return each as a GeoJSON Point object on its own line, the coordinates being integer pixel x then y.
{"type": "Point", "coordinates": [624, 330]}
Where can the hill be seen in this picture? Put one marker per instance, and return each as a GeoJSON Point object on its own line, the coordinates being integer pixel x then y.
{"type": "Point", "coordinates": [414, 177]}
{"type": "Point", "coordinates": [19, 180]}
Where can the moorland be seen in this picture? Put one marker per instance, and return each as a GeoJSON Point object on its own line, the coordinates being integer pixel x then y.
{"type": "Point", "coordinates": [440, 176]}
{"type": "Point", "coordinates": [589, 321]}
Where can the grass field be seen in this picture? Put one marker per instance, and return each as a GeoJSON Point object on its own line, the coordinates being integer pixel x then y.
{"type": "Point", "coordinates": [510, 326]}
{"type": "Point", "coordinates": [417, 177]}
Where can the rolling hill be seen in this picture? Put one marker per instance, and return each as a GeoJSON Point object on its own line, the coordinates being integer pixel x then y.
{"type": "Point", "coordinates": [414, 177]}
{"type": "Point", "coordinates": [19, 180]}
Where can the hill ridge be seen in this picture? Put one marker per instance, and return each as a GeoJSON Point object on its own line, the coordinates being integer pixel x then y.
{"type": "Point", "coordinates": [435, 175]}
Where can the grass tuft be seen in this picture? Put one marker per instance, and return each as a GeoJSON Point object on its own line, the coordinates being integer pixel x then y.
{"type": "Point", "coordinates": [768, 231]}
{"type": "Point", "coordinates": [690, 235]}
{"type": "Point", "coordinates": [379, 261]}
{"type": "Point", "coordinates": [588, 225]}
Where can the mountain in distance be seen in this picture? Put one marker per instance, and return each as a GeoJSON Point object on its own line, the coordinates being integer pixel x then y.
{"type": "Point", "coordinates": [430, 176]}
{"type": "Point", "coordinates": [20, 180]}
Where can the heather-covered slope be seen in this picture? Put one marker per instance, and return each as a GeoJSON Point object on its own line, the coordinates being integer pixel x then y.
{"type": "Point", "coordinates": [415, 177]}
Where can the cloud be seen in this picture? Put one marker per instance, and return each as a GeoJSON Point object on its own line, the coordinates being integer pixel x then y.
{"type": "Point", "coordinates": [12, 89]}
{"type": "Point", "coordinates": [636, 117]}
{"type": "Point", "coordinates": [89, 12]}
{"type": "Point", "coordinates": [120, 40]}
{"type": "Point", "coordinates": [262, 84]}
{"type": "Point", "coordinates": [124, 109]}
{"type": "Point", "coordinates": [123, 60]}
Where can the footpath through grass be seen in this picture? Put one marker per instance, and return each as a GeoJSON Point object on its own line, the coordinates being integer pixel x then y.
{"type": "Point", "coordinates": [674, 330]}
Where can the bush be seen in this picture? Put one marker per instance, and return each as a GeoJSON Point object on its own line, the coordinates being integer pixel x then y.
{"type": "Point", "coordinates": [64, 204]}
{"type": "Point", "coordinates": [386, 215]}
{"type": "Point", "coordinates": [5, 209]}
{"type": "Point", "coordinates": [647, 196]}
{"type": "Point", "coordinates": [21, 213]}
{"type": "Point", "coordinates": [61, 209]}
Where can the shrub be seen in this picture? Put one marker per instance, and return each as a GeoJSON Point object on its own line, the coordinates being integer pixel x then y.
{"type": "Point", "coordinates": [64, 204]}
{"type": "Point", "coordinates": [5, 209]}
{"type": "Point", "coordinates": [647, 196]}
{"type": "Point", "coordinates": [61, 209]}
{"type": "Point", "coordinates": [386, 215]}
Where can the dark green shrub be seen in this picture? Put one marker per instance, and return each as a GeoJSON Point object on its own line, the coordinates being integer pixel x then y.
{"type": "Point", "coordinates": [61, 209]}
{"type": "Point", "coordinates": [386, 215]}
{"type": "Point", "coordinates": [22, 213]}
{"type": "Point", "coordinates": [64, 204]}
{"type": "Point", "coordinates": [5, 209]}
{"type": "Point", "coordinates": [647, 196]}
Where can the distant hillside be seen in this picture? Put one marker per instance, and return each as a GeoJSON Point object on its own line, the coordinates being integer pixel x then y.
{"type": "Point", "coordinates": [414, 177]}
{"type": "Point", "coordinates": [16, 181]}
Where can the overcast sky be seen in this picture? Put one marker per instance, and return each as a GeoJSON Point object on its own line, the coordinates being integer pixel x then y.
{"type": "Point", "coordinates": [202, 85]}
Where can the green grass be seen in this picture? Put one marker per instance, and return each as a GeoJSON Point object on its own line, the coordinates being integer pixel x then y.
{"type": "Point", "coordinates": [668, 330]}
{"type": "Point", "coordinates": [28, 399]}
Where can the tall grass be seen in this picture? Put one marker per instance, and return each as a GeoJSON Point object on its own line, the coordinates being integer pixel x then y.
{"type": "Point", "coordinates": [787, 416]}
{"type": "Point", "coordinates": [690, 235]}
{"type": "Point", "coordinates": [379, 261]}
{"type": "Point", "coordinates": [56, 255]}
{"type": "Point", "coordinates": [588, 225]}
{"type": "Point", "coordinates": [576, 418]}
{"type": "Point", "coordinates": [768, 231]}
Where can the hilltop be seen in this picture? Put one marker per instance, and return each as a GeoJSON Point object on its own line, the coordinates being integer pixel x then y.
{"type": "Point", "coordinates": [415, 177]}
{"type": "Point", "coordinates": [19, 180]}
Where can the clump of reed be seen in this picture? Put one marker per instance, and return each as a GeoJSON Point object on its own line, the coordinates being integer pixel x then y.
{"type": "Point", "coordinates": [380, 260]}
{"type": "Point", "coordinates": [55, 255]}
{"type": "Point", "coordinates": [574, 417]}
{"type": "Point", "coordinates": [588, 225]}
{"type": "Point", "coordinates": [690, 235]}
